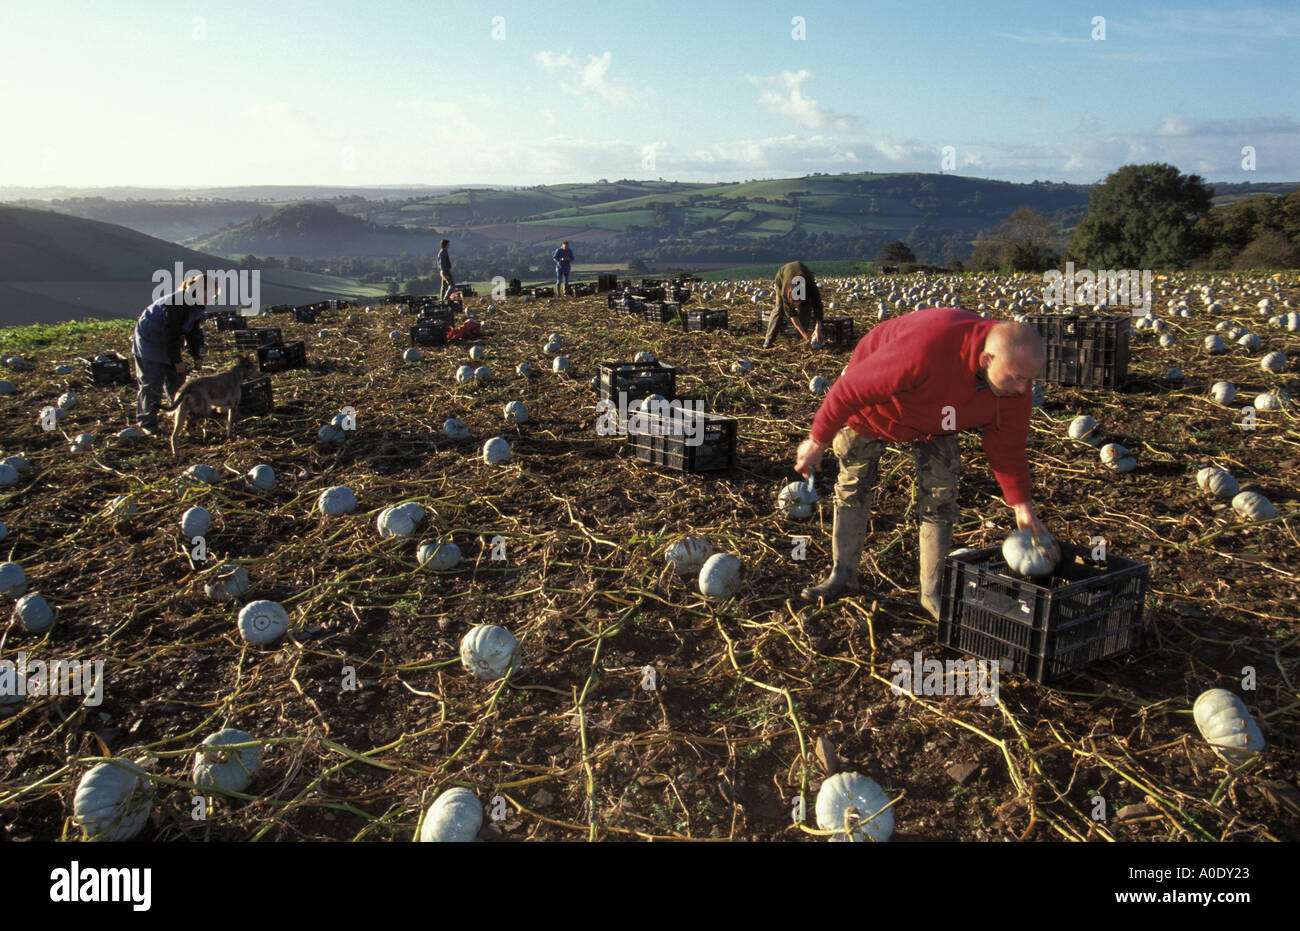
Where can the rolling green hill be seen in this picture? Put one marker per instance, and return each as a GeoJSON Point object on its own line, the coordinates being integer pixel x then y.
{"type": "Point", "coordinates": [55, 267]}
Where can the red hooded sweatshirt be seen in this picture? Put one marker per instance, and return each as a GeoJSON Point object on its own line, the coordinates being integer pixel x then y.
{"type": "Point", "coordinates": [905, 375]}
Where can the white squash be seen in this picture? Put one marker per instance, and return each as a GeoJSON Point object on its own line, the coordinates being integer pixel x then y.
{"type": "Point", "coordinates": [1029, 555]}
{"type": "Point", "coordinates": [1251, 505]}
{"type": "Point", "coordinates": [67, 401]}
{"type": "Point", "coordinates": [741, 366]}
{"type": "Point", "coordinates": [1174, 374]}
{"type": "Point", "coordinates": [553, 348]}
{"type": "Point", "coordinates": [1224, 721]}
{"type": "Point", "coordinates": [1223, 392]}
{"type": "Point", "coordinates": [13, 581]}
{"type": "Point", "coordinates": [395, 335]}
{"type": "Point", "coordinates": [7, 387]}
{"type": "Point", "coordinates": [227, 584]}
{"type": "Point", "coordinates": [555, 338]}
{"type": "Point", "coordinates": [262, 477]}
{"type": "Point", "coordinates": [330, 434]}
{"type": "Point", "coordinates": [523, 368]}
{"type": "Point", "coordinates": [412, 354]}
{"type": "Point", "coordinates": [397, 522]}
{"type": "Point", "coordinates": [819, 385]}
{"type": "Point", "coordinates": [1112, 453]}
{"type": "Point", "coordinates": [46, 413]}
{"type": "Point", "coordinates": [1268, 401]}
{"type": "Point", "coordinates": [1217, 482]}
{"type": "Point", "coordinates": [797, 500]}
{"type": "Point", "coordinates": [204, 474]}
{"type": "Point", "coordinates": [1038, 397]}
{"type": "Point", "coordinates": [516, 412]}
{"type": "Point", "coordinates": [687, 555]}
{"type": "Point", "coordinates": [1167, 340]}
{"type": "Point", "coordinates": [1249, 341]}
{"type": "Point", "coordinates": [465, 374]}
{"type": "Point", "coordinates": [439, 556]}
{"type": "Point", "coordinates": [720, 576]}
{"type": "Point", "coordinates": [643, 356]}
{"type": "Point", "coordinates": [1273, 362]}
{"type": "Point", "coordinates": [34, 614]}
{"type": "Point", "coordinates": [17, 463]}
{"type": "Point", "coordinates": [336, 501]}
{"type": "Point", "coordinates": [489, 652]}
{"type": "Point", "coordinates": [454, 817]}
{"type": "Point", "coordinates": [873, 820]}
{"type": "Point", "coordinates": [560, 365]}
{"type": "Point", "coordinates": [262, 622]}
{"type": "Point", "coordinates": [112, 801]}
{"type": "Point", "coordinates": [482, 374]}
{"type": "Point", "coordinates": [1084, 428]}
{"type": "Point", "coordinates": [8, 475]}
{"type": "Point", "coordinates": [1214, 344]}
{"type": "Point", "coordinates": [496, 451]}
{"type": "Point", "coordinates": [454, 429]}
{"type": "Point", "coordinates": [195, 522]}
{"type": "Point", "coordinates": [475, 353]}
{"type": "Point", "coordinates": [227, 770]}
{"type": "Point", "coordinates": [816, 343]}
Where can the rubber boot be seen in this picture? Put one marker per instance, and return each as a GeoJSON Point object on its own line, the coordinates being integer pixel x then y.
{"type": "Point", "coordinates": [936, 541]}
{"type": "Point", "coordinates": [847, 537]}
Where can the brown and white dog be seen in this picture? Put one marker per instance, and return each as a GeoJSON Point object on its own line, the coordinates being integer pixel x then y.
{"type": "Point", "coordinates": [198, 397]}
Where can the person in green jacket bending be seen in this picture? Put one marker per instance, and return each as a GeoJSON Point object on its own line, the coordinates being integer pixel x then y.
{"type": "Point", "coordinates": [796, 295]}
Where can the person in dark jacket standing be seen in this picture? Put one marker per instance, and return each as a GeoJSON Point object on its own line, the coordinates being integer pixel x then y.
{"type": "Point", "coordinates": [796, 295]}
{"type": "Point", "coordinates": [563, 259]}
{"type": "Point", "coordinates": [444, 270]}
{"type": "Point", "coordinates": [156, 344]}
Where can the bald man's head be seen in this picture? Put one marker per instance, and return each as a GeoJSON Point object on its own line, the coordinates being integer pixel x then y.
{"type": "Point", "coordinates": [1012, 357]}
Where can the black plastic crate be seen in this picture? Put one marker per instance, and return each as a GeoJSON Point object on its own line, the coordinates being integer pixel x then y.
{"type": "Point", "coordinates": [305, 314]}
{"type": "Point", "coordinates": [710, 448]}
{"type": "Point", "coordinates": [114, 371]}
{"type": "Point", "coordinates": [1086, 351]}
{"type": "Point", "coordinates": [606, 282]}
{"type": "Point", "coordinates": [430, 333]}
{"type": "Point", "coordinates": [444, 316]}
{"type": "Point", "coordinates": [838, 331]}
{"type": "Point", "coordinates": [661, 312]}
{"type": "Point", "coordinates": [255, 397]}
{"type": "Point", "coordinates": [282, 357]}
{"type": "Point", "coordinates": [514, 287]}
{"type": "Point", "coordinates": [649, 295]}
{"type": "Point", "coordinates": [680, 295]}
{"type": "Point", "coordinates": [280, 308]}
{"type": "Point", "coordinates": [704, 319]}
{"type": "Point", "coordinates": [257, 337]}
{"type": "Point", "coordinates": [582, 289]}
{"type": "Point", "coordinates": [467, 290]}
{"type": "Point", "coordinates": [228, 320]}
{"type": "Point", "coordinates": [636, 380]}
{"type": "Point", "coordinates": [1083, 613]}
{"type": "Point", "coordinates": [542, 292]}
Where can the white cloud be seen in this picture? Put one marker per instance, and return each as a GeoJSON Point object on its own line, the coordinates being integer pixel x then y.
{"type": "Point", "coordinates": [591, 77]}
{"type": "Point", "coordinates": [784, 96]}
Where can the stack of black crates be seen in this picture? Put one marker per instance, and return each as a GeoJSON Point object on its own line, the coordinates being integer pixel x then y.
{"type": "Point", "coordinates": [1090, 352]}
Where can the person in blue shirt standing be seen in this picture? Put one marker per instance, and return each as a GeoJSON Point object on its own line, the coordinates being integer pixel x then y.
{"type": "Point", "coordinates": [444, 270]}
{"type": "Point", "coordinates": [156, 345]}
{"type": "Point", "coordinates": [563, 259]}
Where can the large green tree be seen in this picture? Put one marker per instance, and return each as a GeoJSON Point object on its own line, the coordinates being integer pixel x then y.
{"type": "Point", "coordinates": [1143, 216]}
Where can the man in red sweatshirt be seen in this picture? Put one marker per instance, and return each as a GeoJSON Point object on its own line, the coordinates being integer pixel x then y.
{"type": "Point", "coordinates": [920, 379]}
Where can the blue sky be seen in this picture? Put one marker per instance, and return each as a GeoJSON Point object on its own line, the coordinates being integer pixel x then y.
{"type": "Point", "coordinates": [219, 92]}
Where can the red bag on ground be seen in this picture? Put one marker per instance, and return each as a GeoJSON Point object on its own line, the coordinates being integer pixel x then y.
{"type": "Point", "coordinates": [467, 330]}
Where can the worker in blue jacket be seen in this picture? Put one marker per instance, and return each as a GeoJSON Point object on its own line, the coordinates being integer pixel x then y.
{"type": "Point", "coordinates": [156, 345]}
{"type": "Point", "coordinates": [563, 259]}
